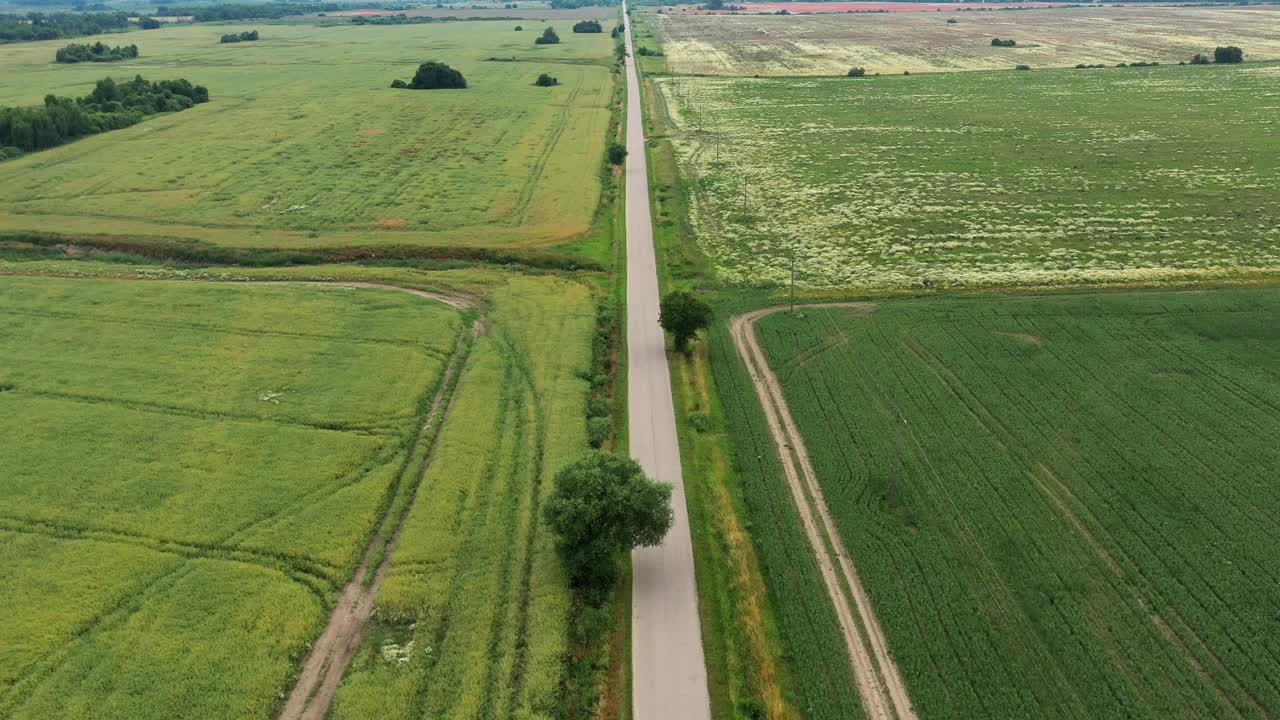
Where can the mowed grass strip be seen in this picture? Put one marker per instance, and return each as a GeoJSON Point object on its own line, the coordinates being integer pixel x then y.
{"type": "Point", "coordinates": [204, 525]}
{"type": "Point", "coordinates": [1075, 516]}
{"type": "Point", "coordinates": [1001, 178]}
{"type": "Point", "coordinates": [472, 619]}
{"type": "Point", "coordinates": [305, 144]}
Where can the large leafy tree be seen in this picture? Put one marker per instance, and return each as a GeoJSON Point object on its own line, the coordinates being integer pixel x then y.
{"type": "Point", "coordinates": [603, 506]}
{"type": "Point", "coordinates": [434, 75]}
{"type": "Point", "coordinates": [683, 315]}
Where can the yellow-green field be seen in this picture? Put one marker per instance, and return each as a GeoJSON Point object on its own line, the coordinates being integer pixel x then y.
{"type": "Point", "coordinates": [193, 470]}
{"type": "Point", "coordinates": [304, 144]}
{"type": "Point", "coordinates": [894, 42]}
{"type": "Point", "coordinates": [190, 471]}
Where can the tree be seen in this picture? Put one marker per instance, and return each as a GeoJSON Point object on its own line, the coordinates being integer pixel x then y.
{"type": "Point", "coordinates": [434, 75]}
{"type": "Point", "coordinates": [519, 28]}
{"type": "Point", "coordinates": [548, 37]}
{"type": "Point", "coordinates": [857, 72]}
{"type": "Point", "coordinates": [683, 315]}
{"type": "Point", "coordinates": [588, 26]}
{"type": "Point", "coordinates": [1229, 55]}
{"type": "Point", "coordinates": [601, 507]}
{"type": "Point", "coordinates": [545, 80]}
{"type": "Point", "coordinates": [616, 153]}
{"type": "Point", "coordinates": [148, 23]}
{"type": "Point", "coordinates": [1199, 59]}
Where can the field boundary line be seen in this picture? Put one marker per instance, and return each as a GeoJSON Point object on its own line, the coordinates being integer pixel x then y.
{"type": "Point", "coordinates": [333, 651]}
{"type": "Point", "coordinates": [884, 693]}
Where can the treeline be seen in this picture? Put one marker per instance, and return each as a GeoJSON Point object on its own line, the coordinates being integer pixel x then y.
{"type": "Point", "coordinates": [97, 52]}
{"type": "Point", "coordinates": [52, 26]}
{"type": "Point", "coordinates": [263, 11]}
{"type": "Point", "coordinates": [247, 36]}
{"type": "Point", "coordinates": [110, 106]}
{"type": "Point", "coordinates": [573, 4]}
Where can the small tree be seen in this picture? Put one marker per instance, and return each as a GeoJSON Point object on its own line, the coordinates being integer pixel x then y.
{"type": "Point", "coordinates": [436, 75]}
{"type": "Point", "coordinates": [548, 37]}
{"type": "Point", "coordinates": [857, 72]}
{"type": "Point", "coordinates": [1022, 67]}
{"type": "Point", "coordinates": [148, 23]}
{"type": "Point", "coordinates": [601, 507]}
{"type": "Point", "coordinates": [1229, 55]}
{"type": "Point", "coordinates": [1199, 59]}
{"type": "Point", "coordinates": [683, 315]}
{"type": "Point", "coordinates": [545, 80]}
{"type": "Point", "coordinates": [519, 28]}
{"type": "Point", "coordinates": [588, 26]}
{"type": "Point", "coordinates": [616, 153]}
{"type": "Point", "coordinates": [398, 84]}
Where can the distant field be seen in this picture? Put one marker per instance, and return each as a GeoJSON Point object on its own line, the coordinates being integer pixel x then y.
{"type": "Point", "coordinates": [525, 11]}
{"type": "Point", "coordinates": [190, 471]}
{"type": "Point", "coordinates": [1084, 523]}
{"type": "Point", "coordinates": [304, 144]}
{"type": "Point", "coordinates": [924, 41]}
{"type": "Point", "coordinates": [1116, 174]}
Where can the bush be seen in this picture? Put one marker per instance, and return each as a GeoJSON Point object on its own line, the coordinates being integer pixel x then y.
{"type": "Point", "coordinates": [248, 36]}
{"type": "Point", "coordinates": [700, 421]}
{"type": "Point", "coordinates": [148, 23]}
{"type": "Point", "coordinates": [8, 152]}
{"type": "Point", "coordinates": [1022, 67]}
{"type": "Point", "coordinates": [616, 153]}
{"type": "Point", "coordinates": [597, 431]}
{"type": "Point", "coordinates": [951, 21]}
{"type": "Point", "coordinates": [399, 84]}
{"type": "Point", "coordinates": [1229, 55]}
{"type": "Point", "coordinates": [97, 52]}
{"type": "Point", "coordinates": [1199, 60]}
{"type": "Point", "coordinates": [857, 72]}
{"type": "Point", "coordinates": [548, 37]}
{"type": "Point", "coordinates": [997, 42]}
{"type": "Point", "coordinates": [545, 80]}
{"type": "Point", "coordinates": [647, 52]}
{"type": "Point", "coordinates": [588, 26]}
{"type": "Point", "coordinates": [519, 28]}
{"type": "Point", "coordinates": [434, 75]}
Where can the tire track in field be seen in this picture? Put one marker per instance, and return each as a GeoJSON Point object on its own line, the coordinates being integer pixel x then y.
{"type": "Point", "coordinates": [882, 689]}
{"type": "Point", "coordinates": [333, 651]}
{"type": "Point", "coordinates": [521, 210]}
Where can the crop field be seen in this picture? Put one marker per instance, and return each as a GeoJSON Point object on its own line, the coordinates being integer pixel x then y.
{"type": "Point", "coordinates": [1001, 178]}
{"type": "Point", "coordinates": [1060, 505]}
{"type": "Point", "coordinates": [471, 619]}
{"type": "Point", "coordinates": [304, 144]}
{"type": "Point", "coordinates": [190, 471]}
{"type": "Point", "coordinates": [890, 43]}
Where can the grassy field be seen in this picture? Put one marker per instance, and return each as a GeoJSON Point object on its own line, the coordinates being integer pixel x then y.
{"type": "Point", "coordinates": [766, 45]}
{"type": "Point", "coordinates": [1055, 176]}
{"type": "Point", "coordinates": [1082, 524]}
{"type": "Point", "coordinates": [304, 144]}
{"type": "Point", "coordinates": [475, 602]}
{"type": "Point", "coordinates": [191, 471]}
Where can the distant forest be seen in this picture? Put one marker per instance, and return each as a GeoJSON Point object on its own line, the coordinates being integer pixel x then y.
{"type": "Point", "coordinates": [110, 106]}
{"type": "Point", "coordinates": [97, 52]}
{"type": "Point", "coordinates": [51, 26]}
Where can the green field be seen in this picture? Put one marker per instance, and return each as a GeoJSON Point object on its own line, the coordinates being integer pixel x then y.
{"type": "Point", "coordinates": [1084, 518]}
{"type": "Point", "coordinates": [304, 144]}
{"type": "Point", "coordinates": [997, 178]}
{"type": "Point", "coordinates": [191, 470]}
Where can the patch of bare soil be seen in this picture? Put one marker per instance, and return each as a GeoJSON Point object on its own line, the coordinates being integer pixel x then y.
{"type": "Point", "coordinates": [1024, 337]}
{"type": "Point", "coordinates": [370, 132]}
{"type": "Point", "coordinates": [390, 222]}
{"type": "Point", "coordinates": [883, 692]}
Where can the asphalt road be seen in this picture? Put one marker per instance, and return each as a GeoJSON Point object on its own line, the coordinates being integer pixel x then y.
{"type": "Point", "coordinates": [669, 677]}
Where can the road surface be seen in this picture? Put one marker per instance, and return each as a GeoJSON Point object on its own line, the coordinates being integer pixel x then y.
{"type": "Point", "coordinates": [669, 676]}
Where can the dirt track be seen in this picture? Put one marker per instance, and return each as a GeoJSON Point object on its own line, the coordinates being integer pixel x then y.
{"type": "Point", "coordinates": [884, 694]}
{"type": "Point", "coordinates": [333, 651]}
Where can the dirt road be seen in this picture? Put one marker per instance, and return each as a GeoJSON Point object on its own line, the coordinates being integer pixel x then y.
{"type": "Point", "coordinates": [669, 679]}
{"type": "Point", "coordinates": [884, 694]}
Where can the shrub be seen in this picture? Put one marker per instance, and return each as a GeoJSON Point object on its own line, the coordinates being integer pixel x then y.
{"type": "Point", "coordinates": [545, 80]}
{"type": "Point", "coordinates": [700, 421]}
{"type": "Point", "coordinates": [248, 36]}
{"type": "Point", "coordinates": [399, 84]}
{"type": "Point", "coordinates": [1022, 67]}
{"type": "Point", "coordinates": [588, 26]}
{"type": "Point", "coordinates": [997, 42]}
{"type": "Point", "coordinates": [857, 72]}
{"type": "Point", "coordinates": [434, 75]}
{"type": "Point", "coordinates": [148, 23]}
{"type": "Point", "coordinates": [616, 153]}
{"type": "Point", "coordinates": [951, 21]}
{"type": "Point", "coordinates": [647, 52]}
{"type": "Point", "coordinates": [1229, 55]}
{"type": "Point", "coordinates": [597, 431]}
{"type": "Point", "coordinates": [519, 28]}
{"type": "Point", "coordinates": [548, 37]}
{"type": "Point", "coordinates": [1199, 60]}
